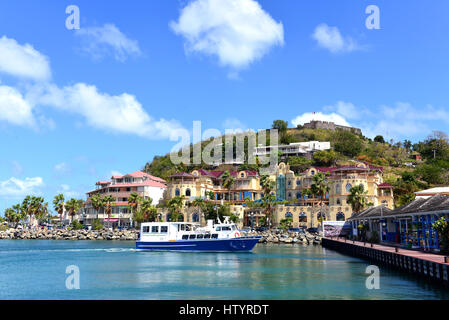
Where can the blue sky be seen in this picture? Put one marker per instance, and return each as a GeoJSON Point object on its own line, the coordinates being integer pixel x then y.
{"type": "Point", "coordinates": [79, 105]}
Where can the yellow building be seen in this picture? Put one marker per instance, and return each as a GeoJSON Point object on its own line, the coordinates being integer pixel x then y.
{"type": "Point", "coordinates": [291, 189]}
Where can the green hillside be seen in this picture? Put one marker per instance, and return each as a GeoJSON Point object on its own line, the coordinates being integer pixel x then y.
{"type": "Point", "coordinates": [400, 169]}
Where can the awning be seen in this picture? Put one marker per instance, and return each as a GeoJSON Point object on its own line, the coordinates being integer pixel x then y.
{"type": "Point", "coordinates": [111, 220]}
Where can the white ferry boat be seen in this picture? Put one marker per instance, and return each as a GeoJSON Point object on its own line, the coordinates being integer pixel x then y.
{"type": "Point", "coordinates": [187, 236]}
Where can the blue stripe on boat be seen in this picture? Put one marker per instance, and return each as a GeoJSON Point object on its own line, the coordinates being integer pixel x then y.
{"type": "Point", "coordinates": [211, 245]}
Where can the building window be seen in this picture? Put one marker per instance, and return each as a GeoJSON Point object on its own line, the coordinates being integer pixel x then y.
{"type": "Point", "coordinates": [312, 172]}
{"type": "Point", "coordinates": [340, 216]}
{"type": "Point", "coordinates": [188, 193]}
{"type": "Point", "coordinates": [321, 216]}
{"type": "Point", "coordinates": [289, 215]}
{"type": "Point", "coordinates": [338, 202]}
{"type": "Point", "coordinates": [195, 217]}
{"type": "Point", "coordinates": [242, 175]}
{"type": "Point", "coordinates": [385, 202]}
{"type": "Point", "coordinates": [298, 195]}
{"type": "Point", "coordinates": [177, 193]}
{"type": "Point", "coordinates": [289, 195]}
{"type": "Point", "coordinates": [302, 217]}
{"type": "Point", "coordinates": [298, 182]}
{"type": "Point", "coordinates": [337, 188]}
{"type": "Point", "coordinates": [348, 187]}
{"type": "Point", "coordinates": [289, 183]}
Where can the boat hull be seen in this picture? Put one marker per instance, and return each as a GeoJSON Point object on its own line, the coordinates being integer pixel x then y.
{"type": "Point", "coordinates": [241, 244]}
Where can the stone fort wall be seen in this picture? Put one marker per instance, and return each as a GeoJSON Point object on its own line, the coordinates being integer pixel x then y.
{"type": "Point", "coordinates": [330, 126]}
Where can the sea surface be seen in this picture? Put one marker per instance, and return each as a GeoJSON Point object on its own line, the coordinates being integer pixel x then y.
{"type": "Point", "coordinates": [115, 270]}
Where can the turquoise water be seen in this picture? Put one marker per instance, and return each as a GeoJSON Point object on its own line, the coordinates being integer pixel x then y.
{"type": "Point", "coordinates": [114, 270]}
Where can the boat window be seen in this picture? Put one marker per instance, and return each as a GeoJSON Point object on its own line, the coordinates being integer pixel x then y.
{"type": "Point", "coordinates": [215, 236]}
{"type": "Point", "coordinates": [146, 229]}
{"type": "Point", "coordinates": [218, 229]}
{"type": "Point", "coordinates": [164, 229]}
{"type": "Point", "coordinates": [192, 236]}
{"type": "Point", "coordinates": [207, 236]}
{"type": "Point", "coordinates": [233, 227]}
{"type": "Point", "coordinates": [226, 228]}
{"type": "Point", "coordinates": [183, 227]}
{"type": "Point", "coordinates": [155, 229]}
{"type": "Point", "coordinates": [185, 237]}
{"type": "Point", "coordinates": [200, 236]}
{"type": "Point", "coordinates": [187, 227]}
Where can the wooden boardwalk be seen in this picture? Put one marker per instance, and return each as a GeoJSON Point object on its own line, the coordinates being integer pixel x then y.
{"type": "Point", "coordinates": [401, 251]}
{"type": "Point", "coordinates": [429, 265]}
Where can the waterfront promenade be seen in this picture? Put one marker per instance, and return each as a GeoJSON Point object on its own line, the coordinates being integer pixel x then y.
{"type": "Point", "coordinates": [429, 265]}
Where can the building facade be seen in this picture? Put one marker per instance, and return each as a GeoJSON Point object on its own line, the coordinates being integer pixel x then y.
{"type": "Point", "coordinates": [303, 149]}
{"type": "Point", "coordinates": [121, 187]}
{"type": "Point", "coordinates": [291, 190]}
{"type": "Point", "coordinates": [316, 124]}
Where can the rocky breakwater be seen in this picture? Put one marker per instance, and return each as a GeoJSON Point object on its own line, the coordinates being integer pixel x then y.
{"type": "Point", "coordinates": [59, 234]}
{"type": "Point", "coordinates": [287, 237]}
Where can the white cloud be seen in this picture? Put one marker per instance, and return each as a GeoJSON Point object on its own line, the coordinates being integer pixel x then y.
{"type": "Point", "coordinates": [23, 60]}
{"type": "Point", "coordinates": [16, 168]}
{"type": "Point", "coordinates": [309, 116]}
{"type": "Point", "coordinates": [62, 169]}
{"type": "Point", "coordinates": [331, 39]}
{"type": "Point", "coordinates": [14, 108]}
{"type": "Point", "coordinates": [115, 173]}
{"type": "Point", "coordinates": [346, 109]}
{"type": "Point", "coordinates": [238, 32]}
{"type": "Point", "coordinates": [100, 41]}
{"type": "Point", "coordinates": [120, 114]}
{"type": "Point", "coordinates": [67, 192]}
{"type": "Point", "coordinates": [14, 187]}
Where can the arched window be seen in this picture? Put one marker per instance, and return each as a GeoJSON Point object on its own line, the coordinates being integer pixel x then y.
{"type": "Point", "coordinates": [289, 215]}
{"type": "Point", "coordinates": [181, 218]}
{"type": "Point", "coordinates": [302, 217]}
{"type": "Point", "coordinates": [384, 202]}
{"type": "Point", "coordinates": [312, 172]}
{"type": "Point", "coordinates": [298, 195]}
{"type": "Point", "coordinates": [289, 195]}
{"type": "Point", "coordinates": [195, 217]}
{"type": "Point", "coordinates": [177, 193]}
{"type": "Point", "coordinates": [340, 216]}
{"type": "Point", "coordinates": [321, 215]}
{"type": "Point", "coordinates": [348, 187]}
{"type": "Point", "coordinates": [188, 193]}
{"type": "Point", "coordinates": [289, 183]}
{"type": "Point", "coordinates": [338, 202]}
{"type": "Point", "coordinates": [337, 188]}
{"type": "Point", "coordinates": [298, 182]}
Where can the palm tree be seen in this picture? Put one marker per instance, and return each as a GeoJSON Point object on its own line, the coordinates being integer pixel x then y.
{"type": "Point", "coordinates": [26, 210]}
{"type": "Point", "coordinates": [268, 199]}
{"type": "Point", "coordinates": [13, 215]}
{"type": "Point", "coordinates": [108, 204]}
{"type": "Point", "coordinates": [133, 202]}
{"type": "Point", "coordinates": [228, 182]}
{"type": "Point", "coordinates": [199, 204]}
{"type": "Point", "coordinates": [58, 205]}
{"type": "Point", "coordinates": [358, 199]}
{"type": "Point", "coordinates": [97, 203]}
{"type": "Point", "coordinates": [321, 188]}
{"type": "Point", "coordinates": [149, 211]}
{"type": "Point", "coordinates": [72, 207]}
{"type": "Point", "coordinates": [175, 206]}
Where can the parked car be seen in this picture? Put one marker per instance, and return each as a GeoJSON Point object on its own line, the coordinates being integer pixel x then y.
{"type": "Point", "coordinates": [87, 227]}
{"type": "Point", "coordinates": [246, 229]}
{"type": "Point", "coordinates": [312, 230]}
{"type": "Point", "coordinates": [261, 229]}
{"type": "Point", "coordinates": [297, 230]}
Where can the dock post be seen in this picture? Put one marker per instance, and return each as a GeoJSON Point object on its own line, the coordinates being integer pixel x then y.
{"type": "Point", "coordinates": [396, 249]}
{"type": "Point", "coordinates": [446, 259]}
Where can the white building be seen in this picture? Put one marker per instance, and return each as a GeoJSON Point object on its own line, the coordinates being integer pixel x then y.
{"type": "Point", "coordinates": [305, 149]}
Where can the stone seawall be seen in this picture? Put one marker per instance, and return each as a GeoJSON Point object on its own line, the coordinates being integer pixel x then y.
{"type": "Point", "coordinates": [59, 234]}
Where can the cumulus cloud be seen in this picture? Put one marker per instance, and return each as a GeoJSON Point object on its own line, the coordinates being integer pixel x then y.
{"type": "Point", "coordinates": [238, 32]}
{"type": "Point", "coordinates": [331, 39]}
{"type": "Point", "coordinates": [108, 39]}
{"type": "Point", "coordinates": [114, 173]}
{"type": "Point", "coordinates": [233, 125]}
{"type": "Point", "coordinates": [14, 187]}
{"type": "Point", "coordinates": [14, 108]}
{"type": "Point", "coordinates": [114, 113]}
{"type": "Point", "coordinates": [309, 116]}
{"type": "Point", "coordinates": [23, 60]}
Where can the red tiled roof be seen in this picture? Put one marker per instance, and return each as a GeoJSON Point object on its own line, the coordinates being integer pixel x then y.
{"type": "Point", "coordinates": [147, 183]}
{"type": "Point", "coordinates": [103, 182]}
{"type": "Point", "coordinates": [182, 175]}
{"type": "Point", "coordinates": [140, 174]}
{"type": "Point", "coordinates": [332, 169]}
{"type": "Point", "coordinates": [385, 185]}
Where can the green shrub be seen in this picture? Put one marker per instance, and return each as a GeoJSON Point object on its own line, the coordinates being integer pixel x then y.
{"type": "Point", "coordinates": [96, 225]}
{"type": "Point", "coordinates": [76, 225]}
